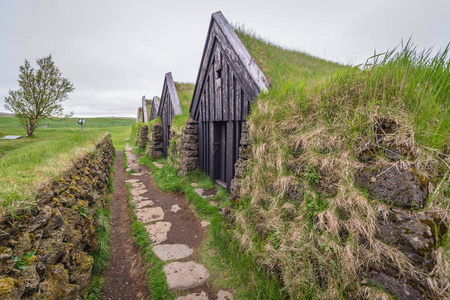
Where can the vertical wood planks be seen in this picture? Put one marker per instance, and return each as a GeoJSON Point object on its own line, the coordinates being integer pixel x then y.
{"type": "Point", "coordinates": [227, 82]}
{"type": "Point", "coordinates": [218, 85]}
{"type": "Point", "coordinates": [225, 96]}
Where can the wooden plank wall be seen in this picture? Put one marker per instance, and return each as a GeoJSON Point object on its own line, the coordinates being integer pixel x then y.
{"type": "Point", "coordinates": [224, 99]}
{"type": "Point", "coordinates": [167, 115]}
{"type": "Point", "coordinates": [227, 82]}
{"type": "Point", "coordinates": [155, 108]}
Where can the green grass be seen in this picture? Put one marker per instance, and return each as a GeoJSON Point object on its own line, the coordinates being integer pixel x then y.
{"type": "Point", "coordinates": [231, 268]}
{"type": "Point", "coordinates": [12, 123]}
{"type": "Point", "coordinates": [309, 128]}
{"type": "Point", "coordinates": [29, 162]}
{"type": "Point", "coordinates": [184, 91]}
{"type": "Point", "coordinates": [101, 256]}
{"type": "Point", "coordinates": [288, 71]}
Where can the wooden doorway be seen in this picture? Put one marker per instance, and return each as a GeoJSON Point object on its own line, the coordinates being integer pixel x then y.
{"type": "Point", "coordinates": [220, 153]}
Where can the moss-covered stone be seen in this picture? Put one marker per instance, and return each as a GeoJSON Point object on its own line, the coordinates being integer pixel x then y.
{"type": "Point", "coordinates": [61, 236]}
{"type": "Point", "coordinates": [55, 284]}
{"type": "Point", "coordinates": [6, 260]}
{"type": "Point", "coordinates": [8, 289]}
{"type": "Point", "coordinates": [387, 183]}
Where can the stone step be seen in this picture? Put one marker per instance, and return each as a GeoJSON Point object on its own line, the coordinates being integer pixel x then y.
{"type": "Point", "coordinates": [144, 203]}
{"type": "Point", "coordinates": [157, 164]}
{"type": "Point", "coordinates": [150, 214]}
{"type": "Point", "coordinates": [224, 295]}
{"type": "Point", "coordinates": [185, 275]}
{"type": "Point", "coordinates": [196, 296]}
{"type": "Point", "coordinates": [158, 232]}
{"type": "Point", "coordinates": [132, 180]}
{"type": "Point", "coordinates": [172, 251]}
{"type": "Point", "coordinates": [175, 208]}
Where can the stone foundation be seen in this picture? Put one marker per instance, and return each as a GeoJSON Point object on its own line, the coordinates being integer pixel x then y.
{"type": "Point", "coordinates": [404, 226]}
{"type": "Point", "coordinates": [245, 153]}
{"type": "Point", "coordinates": [45, 254]}
{"type": "Point", "coordinates": [143, 136]}
{"type": "Point", "coordinates": [189, 148]}
{"type": "Point", "coordinates": [156, 144]}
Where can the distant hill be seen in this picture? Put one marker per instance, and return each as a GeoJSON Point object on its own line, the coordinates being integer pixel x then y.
{"type": "Point", "coordinates": [3, 114]}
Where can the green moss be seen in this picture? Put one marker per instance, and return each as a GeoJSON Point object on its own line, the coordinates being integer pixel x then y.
{"type": "Point", "coordinates": [6, 286]}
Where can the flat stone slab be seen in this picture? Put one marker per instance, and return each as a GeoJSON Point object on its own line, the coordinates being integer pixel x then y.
{"type": "Point", "coordinates": [172, 251]}
{"type": "Point", "coordinates": [204, 223]}
{"type": "Point", "coordinates": [159, 165]}
{"type": "Point", "coordinates": [194, 184]}
{"type": "Point", "coordinates": [185, 275]}
{"type": "Point", "coordinates": [201, 191]}
{"type": "Point", "coordinates": [11, 137]}
{"type": "Point", "coordinates": [175, 208]}
{"type": "Point", "coordinates": [150, 214]}
{"type": "Point", "coordinates": [158, 232]}
{"type": "Point", "coordinates": [196, 296]}
{"type": "Point", "coordinates": [224, 295]}
{"type": "Point", "coordinates": [137, 174]}
{"type": "Point", "coordinates": [142, 204]}
{"type": "Point", "coordinates": [132, 180]}
{"type": "Point", "coordinates": [137, 191]}
{"type": "Point", "coordinates": [137, 199]}
{"type": "Point", "coordinates": [138, 185]}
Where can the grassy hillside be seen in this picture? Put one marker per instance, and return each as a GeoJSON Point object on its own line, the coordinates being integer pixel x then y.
{"type": "Point", "coordinates": [301, 215]}
{"type": "Point", "coordinates": [28, 162]}
{"type": "Point", "coordinates": [184, 91]}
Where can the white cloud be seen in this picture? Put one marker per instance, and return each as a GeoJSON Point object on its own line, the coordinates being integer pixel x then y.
{"type": "Point", "coordinates": [116, 51]}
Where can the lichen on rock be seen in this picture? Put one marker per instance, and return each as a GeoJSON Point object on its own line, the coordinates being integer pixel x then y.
{"type": "Point", "coordinates": [394, 185]}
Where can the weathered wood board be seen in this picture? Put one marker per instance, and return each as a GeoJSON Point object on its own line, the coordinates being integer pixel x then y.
{"type": "Point", "coordinates": [227, 82]}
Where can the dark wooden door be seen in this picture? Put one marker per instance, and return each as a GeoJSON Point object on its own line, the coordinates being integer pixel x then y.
{"type": "Point", "coordinates": [219, 152]}
{"type": "Point", "coordinates": [166, 139]}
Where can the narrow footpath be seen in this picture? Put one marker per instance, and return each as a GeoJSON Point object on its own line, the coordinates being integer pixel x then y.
{"type": "Point", "coordinates": [125, 276]}
{"type": "Point", "coordinates": [176, 234]}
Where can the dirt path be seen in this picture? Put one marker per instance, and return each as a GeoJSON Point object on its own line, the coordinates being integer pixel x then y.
{"type": "Point", "coordinates": [125, 275]}
{"type": "Point", "coordinates": [176, 234]}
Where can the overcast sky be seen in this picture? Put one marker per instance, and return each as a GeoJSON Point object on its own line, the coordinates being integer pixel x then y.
{"type": "Point", "coordinates": [114, 52]}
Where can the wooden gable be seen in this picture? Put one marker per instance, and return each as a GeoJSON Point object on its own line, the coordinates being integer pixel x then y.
{"type": "Point", "coordinates": [144, 110]}
{"type": "Point", "coordinates": [227, 83]}
{"type": "Point", "coordinates": [154, 110]}
{"type": "Point", "coordinates": [168, 108]}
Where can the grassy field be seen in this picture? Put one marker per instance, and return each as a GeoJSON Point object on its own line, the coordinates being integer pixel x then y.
{"type": "Point", "coordinates": [28, 162]}
{"type": "Point", "coordinates": [310, 127]}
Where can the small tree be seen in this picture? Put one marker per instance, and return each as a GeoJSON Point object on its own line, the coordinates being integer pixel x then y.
{"type": "Point", "coordinates": [40, 94]}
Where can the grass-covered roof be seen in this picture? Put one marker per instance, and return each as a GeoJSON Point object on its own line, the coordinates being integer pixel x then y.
{"type": "Point", "coordinates": [302, 215]}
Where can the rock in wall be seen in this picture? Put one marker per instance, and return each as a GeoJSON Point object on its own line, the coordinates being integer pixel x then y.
{"type": "Point", "coordinates": [44, 254]}
{"type": "Point", "coordinates": [245, 153]}
{"type": "Point", "coordinates": [189, 148]}
{"type": "Point", "coordinates": [404, 226]}
{"type": "Point", "coordinates": [156, 144]}
{"type": "Point", "coordinates": [143, 136]}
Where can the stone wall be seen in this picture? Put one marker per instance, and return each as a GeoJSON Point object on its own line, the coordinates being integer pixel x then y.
{"type": "Point", "coordinates": [406, 226]}
{"type": "Point", "coordinates": [245, 153]}
{"type": "Point", "coordinates": [189, 148]}
{"type": "Point", "coordinates": [156, 145]}
{"type": "Point", "coordinates": [45, 254]}
{"type": "Point", "coordinates": [143, 134]}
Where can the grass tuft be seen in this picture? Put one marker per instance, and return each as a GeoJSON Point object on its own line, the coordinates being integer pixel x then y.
{"type": "Point", "coordinates": [308, 131]}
